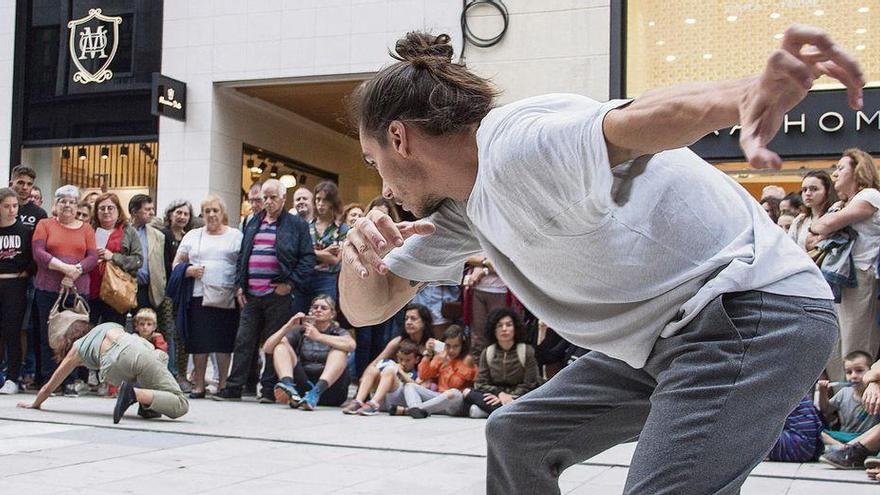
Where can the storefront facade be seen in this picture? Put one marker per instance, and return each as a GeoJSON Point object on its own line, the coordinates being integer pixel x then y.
{"type": "Point", "coordinates": [656, 45]}
{"type": "Point", "coordinates": [265, 84]}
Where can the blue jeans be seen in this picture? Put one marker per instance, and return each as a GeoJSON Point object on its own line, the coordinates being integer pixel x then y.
{"type": "Point", "coordinates": [747, 359]}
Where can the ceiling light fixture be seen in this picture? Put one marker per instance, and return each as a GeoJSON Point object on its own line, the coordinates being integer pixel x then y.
{"type": "Point", "coordinates": [105, 152]}
{"type": "Point", "coordinates": [864, 10]}
{"type": "Point", "coordinates": [819, 12]}
{"type": "Point", "coordinates": [731, 18]}
{"type": "Point", "coordinates": [82, 153]}
{"type": "Point", "coordinates": [670, 58]}
{"type": "Point", "coordinates": [123, 151]}
{"type": "Point", "coordinates": [690, 21]}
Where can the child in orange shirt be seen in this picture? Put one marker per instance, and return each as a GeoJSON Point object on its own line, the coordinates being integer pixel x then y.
{"type": "Point", "coordinates": [450, 363]}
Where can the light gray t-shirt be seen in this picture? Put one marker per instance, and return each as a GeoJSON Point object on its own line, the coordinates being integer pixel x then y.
{"type": "Point", "coordinates": [853, 417]}
{"type": "Point", "coordinates": [608, 272]}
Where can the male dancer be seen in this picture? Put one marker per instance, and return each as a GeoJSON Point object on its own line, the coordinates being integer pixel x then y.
{"type": "Point", "coordinates": [707, 324]}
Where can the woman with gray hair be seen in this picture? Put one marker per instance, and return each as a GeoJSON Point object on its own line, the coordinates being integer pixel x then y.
{"type": "Point", "coordinates": [211, 255]}
{"type": "Point", "coordinates": [65, 251]}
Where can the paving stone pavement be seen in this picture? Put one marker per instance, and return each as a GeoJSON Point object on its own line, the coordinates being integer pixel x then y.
{"type": "Point", "coordinates": [72, 447]}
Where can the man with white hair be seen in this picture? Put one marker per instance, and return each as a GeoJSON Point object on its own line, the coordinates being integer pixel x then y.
{"type": "Point", "coordinates": [276, 260]}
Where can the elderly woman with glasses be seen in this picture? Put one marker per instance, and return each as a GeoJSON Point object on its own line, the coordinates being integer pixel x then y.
{"type": "Point", "coordinates": [65, 251]}
{"type": "Point", "coordinates": [118, 243]}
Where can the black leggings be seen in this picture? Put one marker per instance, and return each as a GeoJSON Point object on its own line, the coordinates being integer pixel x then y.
{"type": "Point", "coordinates": [13, 303]}
{"type": "Point", "coordinates": [475, 397]}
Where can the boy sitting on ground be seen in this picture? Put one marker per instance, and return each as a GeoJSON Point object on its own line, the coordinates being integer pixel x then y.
{"type": "Point", "coordinates": [847, 404]}
{"type": "Point", "coordinates": [392, 378]}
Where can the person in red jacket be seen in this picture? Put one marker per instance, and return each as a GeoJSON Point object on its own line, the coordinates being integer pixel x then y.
{"type": "Point", "coordinates": [449, 363]}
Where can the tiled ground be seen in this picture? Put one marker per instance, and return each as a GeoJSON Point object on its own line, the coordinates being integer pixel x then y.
{"type": "Point", "coordinates": [219, 448]}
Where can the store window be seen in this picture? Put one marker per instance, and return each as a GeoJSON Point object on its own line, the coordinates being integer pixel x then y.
{"type": "Point", "coordinates": [704, 40]}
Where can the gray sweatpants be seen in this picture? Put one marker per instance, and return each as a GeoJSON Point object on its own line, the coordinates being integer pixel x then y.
{"type": "Point", "coordinates": [706, 409]}
{"type": "Point", "coordinates": [450, 402]}
{"type": "Point", "coordinates": [130, 361]}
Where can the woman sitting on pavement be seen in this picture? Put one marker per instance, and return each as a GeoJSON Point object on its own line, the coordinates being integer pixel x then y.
{"type": "Point", "coordinates": [508, 368]}
{"type": "Point", "coordinates": [122, 359]}
{"type": "Point", "coordinates": [394, 375]}
{"type": "Point", "coordinates": [452, 365]}
{"type": "Point", "coordinates": [311, 349]}
{"type": "Point", "coordinates": [416, 327]}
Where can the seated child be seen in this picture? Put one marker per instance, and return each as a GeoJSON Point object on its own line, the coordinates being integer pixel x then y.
{"type": "Point", "coordinates": [801, 439]}
{"type": "Point", "coordinates": [146, 325]}
{"type": "Point", "coordinates": [453, 367]}
{"type": "Point", "coordinates": [393, 376]}
{"type": "Point", "coordinates": [847, 403]}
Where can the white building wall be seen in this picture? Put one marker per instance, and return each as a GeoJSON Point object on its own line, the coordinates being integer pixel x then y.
{"type": "Point", "coordinates": [551, 46]}
{"type": "Point", "coordinates": [7, 48]}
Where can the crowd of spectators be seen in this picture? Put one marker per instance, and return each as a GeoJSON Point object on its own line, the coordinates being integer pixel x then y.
{"type": "Point", "coordinates": [256, 296]}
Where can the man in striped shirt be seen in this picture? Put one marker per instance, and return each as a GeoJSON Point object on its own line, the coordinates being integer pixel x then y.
{"type": "Point", "coordinates": [276, 261]}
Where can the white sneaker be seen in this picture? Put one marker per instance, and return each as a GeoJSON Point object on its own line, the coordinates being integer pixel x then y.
{"type": "Point", "coordinates": [9, 388]}
{"type": "Point", "coordinates": [476, 412]}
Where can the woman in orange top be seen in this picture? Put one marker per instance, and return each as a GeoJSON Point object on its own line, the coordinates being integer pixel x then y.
{"type": "Point", "coordinates": [65, 252]}
{"type": "Point", "coordinates": [450, 363]}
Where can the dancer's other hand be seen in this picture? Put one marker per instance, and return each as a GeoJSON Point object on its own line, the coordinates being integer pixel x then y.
{"type": "Point", "coordinates": [806, 54]}
{"type": "Point", "coordinates": [373, 236]}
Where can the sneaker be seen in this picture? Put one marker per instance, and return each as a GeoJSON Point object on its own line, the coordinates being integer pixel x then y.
{"type": "Point", "coordinates": [371, 408]}
{"type": "Point", "coordinates": [353, 407]}
{"type": "Point", "coordinates": [185, 386]}
{"type": "Point", "coordinates": [266, 399]}
{"type": "Point", "coordinates": [416, 413]}
{"type": "Point", "coordinates": [285, 393]}
{"type": "Point", "coordinates": [9, 388]}
{"type": "Point", "coordinates": [148, 413]}
{"type": "Point", "coordinates": [872, 462]}
{"type": "Point", "coordinates": [227, 394]}
{"type": "Point", "coordinates": [310, 401]}
{"type": "Point", "coordinates": [70, 391]}
{"type": "Point", "coordinates": [850, 457]}
{"type": "Point", "coordinates": [125, 398]}
{"type": "Point", "coordinates": [476, 412]}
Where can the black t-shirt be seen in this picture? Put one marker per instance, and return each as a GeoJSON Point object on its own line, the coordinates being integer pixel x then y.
{"type": "Point", "coordinates": [15, 249]}
{"type": "Point", "coordinates": [29, 214]}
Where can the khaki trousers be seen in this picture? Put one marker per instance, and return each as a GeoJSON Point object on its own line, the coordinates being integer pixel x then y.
{"type": "Point", "coordinates": [132, 361]}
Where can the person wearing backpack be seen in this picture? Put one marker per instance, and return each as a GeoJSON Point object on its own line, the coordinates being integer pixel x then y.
{"type": "Point", "coordinates": [507, 369]}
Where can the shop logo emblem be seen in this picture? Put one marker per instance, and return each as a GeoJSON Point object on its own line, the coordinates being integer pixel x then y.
{"type": "Point", "coordinates": [89, 43]}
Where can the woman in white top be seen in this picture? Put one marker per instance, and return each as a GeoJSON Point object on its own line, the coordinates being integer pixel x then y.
{"type": "Point", "coordinates": [212, 316]}
{"type": "Point", "coordinates": [817, 191]}
{"type": "Point", "coordinates": [856, 182]}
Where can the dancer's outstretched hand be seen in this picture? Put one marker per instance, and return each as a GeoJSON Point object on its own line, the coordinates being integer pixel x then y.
{"type": "Point", "coordinates": [807, 53]}
{"type": "Point", "coordinates": [373, 236]}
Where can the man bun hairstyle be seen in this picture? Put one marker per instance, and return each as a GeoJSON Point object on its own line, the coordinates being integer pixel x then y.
{"type": "Point", "coordinates": [424, 89]}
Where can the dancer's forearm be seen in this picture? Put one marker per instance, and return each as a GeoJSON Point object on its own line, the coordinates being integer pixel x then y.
{"type": "Point", "coordinates": [673, 117]}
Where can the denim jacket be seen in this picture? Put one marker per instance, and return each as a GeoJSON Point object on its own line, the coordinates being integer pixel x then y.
{"type": "Point", "coordinates": [837, 267]}
{"type": "Point", "coordinates": [293, 248]}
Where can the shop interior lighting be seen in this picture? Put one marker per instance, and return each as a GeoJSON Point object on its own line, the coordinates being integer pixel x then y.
{"type": "Point", "coordinates": [819, 12]}
{"type": "Point", "coordinates": [775, 15]}
{"type": "Point", "coordinates": [707, 56]}
{"type": "Point", "coordinates": [661, 43]}
{"type": "Point", "coordinates": [864, 10]}
{"type": "Point", "coordinates": [274, 172]}
{"type": "Point", "coordinates": [690, 20]}
{"type": "Point", "coordinates": [65, 154]}
{"type": "Point", "coordinates": [288, 180]}
{"type": "Point", "coordinates": [82, 153]}
{"type": "Point", "coordinates": [651, 23]}
{"type": "Point", "coordinates": [262, 167]}
{"type": "Point", "coordinates": [731, 18]}
{"type": "Point", "coordinates": [123, 151]}
{"type": "Point", "coordinates": [777, 36]}
{"type": "Point", "coordinates": [861, 31]}
{"type": "Point", "coordinates": [670, 58]}
{"type": "Point", "coordinates": [860, 47]}
{"type": "Point", "coordinates": [105, 152]}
